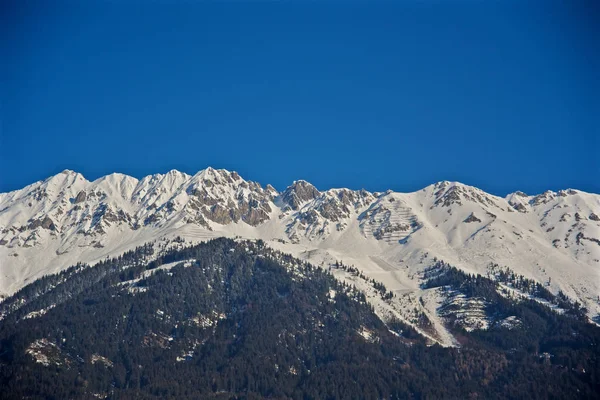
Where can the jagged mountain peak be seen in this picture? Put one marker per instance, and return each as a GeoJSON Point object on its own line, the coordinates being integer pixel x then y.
{"type": "Point", "coordinates": [299, 192]}
{"type": "Point", "coordinates": [446, 194]}
{"type": "Point", "coordinates": [212, 173]}
{"type": "Point", "coordinates": [302, 185]}
{"type": "Point", "coordinates": [524, 203]}
{"type": "Point", "coordinates": [319, 214]}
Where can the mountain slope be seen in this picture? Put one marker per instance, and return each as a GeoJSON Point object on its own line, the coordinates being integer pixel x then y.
{"type": "Point", "coordinates": [235, 319]}
{"type": "Point", "coordinates": [552, 238]}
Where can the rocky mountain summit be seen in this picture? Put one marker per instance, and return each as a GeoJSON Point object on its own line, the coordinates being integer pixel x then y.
{"type": "Point", "coordinates": [552, 238]}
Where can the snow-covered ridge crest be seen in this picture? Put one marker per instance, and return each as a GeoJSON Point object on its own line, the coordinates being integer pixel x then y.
{"type": "Point", "coordinates": [551, 237]}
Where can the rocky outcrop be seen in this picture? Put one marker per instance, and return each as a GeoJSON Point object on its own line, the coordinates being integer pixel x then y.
{"type": "Point", "coordinates": [388, 229]}
{"type": "Point", "coordinates": [254, 210]}
{"type": "Point", "coordinates": [202, 195]}
{"type": "Point", "coordinates": [457, 193]}
{"type": "Point", "coordinates": [80, 198]}
{"type": "Point", "coordinates": [519, 207]}
{"type": "Point", "coordinates": [448, 197]}
{"type": "Point", "coordinates": [45, 223]}
{"type": "Point", "coordinates": [338, 204]}
{"type": "Point", "coordinates": [472, 218]}
{"type": "Point", "coordinates": [255, 217]}
{"type": "Point", "coordinates": [221, 215]}
{"type": "Point", "coordinates": [298, 193]}
{"type": "Point", "coordinates": [317, 216]}
{"type": "Point", "coordinates": [224, 197]}
{"type": "Point", "coordinates": [543, 198]}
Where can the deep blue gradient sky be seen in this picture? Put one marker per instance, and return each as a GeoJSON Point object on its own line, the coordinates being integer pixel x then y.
{"type": "Point", "coordinates": [379, 95]}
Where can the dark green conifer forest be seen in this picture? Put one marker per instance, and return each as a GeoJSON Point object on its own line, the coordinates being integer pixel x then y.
{"type": "Point", "coordinates": [235, 319]}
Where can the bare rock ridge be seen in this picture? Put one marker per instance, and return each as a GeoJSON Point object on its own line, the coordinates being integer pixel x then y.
{"type": "Point", "coordinates": [298, 193]}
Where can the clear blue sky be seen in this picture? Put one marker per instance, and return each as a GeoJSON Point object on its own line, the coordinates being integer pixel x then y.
{"type": "Point", "coordinates": [398, 95]}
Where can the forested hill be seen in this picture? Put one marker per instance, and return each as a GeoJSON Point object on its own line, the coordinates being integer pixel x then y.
{"type": "Point", "coordinates": [235, 319]}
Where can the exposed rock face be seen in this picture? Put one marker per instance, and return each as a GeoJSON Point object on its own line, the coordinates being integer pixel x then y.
{"type": "Point", "coordinates": [255, 210]}
{"type": "Point", "coordinates": [457, 194]}
{"type": "Point", "coordinates": [331, 209]}
{"type": "Point", "coordinates": [472, 218]}
{"type": "Point", "coordinates": [580, 236]}
{"type": "Point", "coordinates": [81, 196]}
{"type": "Point", "coordinates": [224, 197]}
{"type": "Point", "coordinates": [542, 198]}
{"type": "Point", "coordinates": [381, 233]}
{"type": "Point", "coordinates": [221, 215]}
{"type": "Point", "coordinates": [448, 197]}
{"type": "Point", "coordinates": [202, 195]}
{"type": "Point", "coordinates": [298, 193]}
{"type": "Point", "coordinates": [335, 205]}
{"type": "Point", "coordinates": [489, 214]}
{"type": "Point", "coordinates": [390, 219]}
{"type": "Point", "coordinates": [520, 207]}
{"type": "Point", "coordinates": [255, 217]}
{"type": "Point", "coordinates": [594, 217]}
{"type": "Point", "coordinates": [563, 218]}
{"type": "Point", "coordinates": [446, 194]}
{"type": "Point", "coordinates": [106, 216]}
{"type": "Point", "coordinates": [45, 223]}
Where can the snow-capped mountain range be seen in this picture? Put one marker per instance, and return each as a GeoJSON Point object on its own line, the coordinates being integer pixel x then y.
{"type": "Point", "coordinates": [553, 238]}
